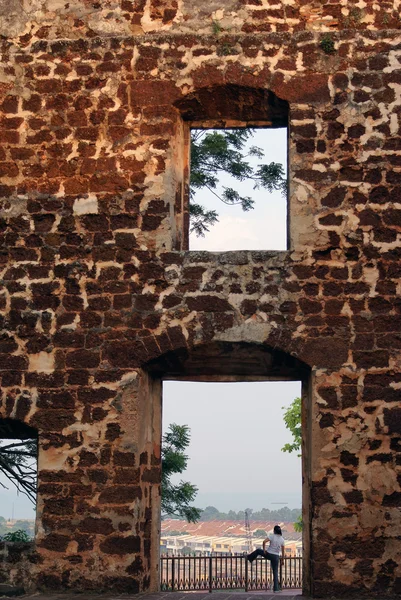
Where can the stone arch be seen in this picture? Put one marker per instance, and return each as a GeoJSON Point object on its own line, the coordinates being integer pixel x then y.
{"type": "Point", "coordinates": [234, 360]}
{"type": "Point", "coordinates": [218, 360]}
{"type": "Point", "coordinates": [233, 102]}
{"type": "Point", "coordinates": [11, 429]}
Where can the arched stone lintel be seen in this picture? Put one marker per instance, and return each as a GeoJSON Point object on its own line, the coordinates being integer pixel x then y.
{"type": "Point", "coordinates": [234, 102]}
{"type": "Point", "coordinates": [14, 429]}
{"type": "Point", "coordinates": [244, 352]}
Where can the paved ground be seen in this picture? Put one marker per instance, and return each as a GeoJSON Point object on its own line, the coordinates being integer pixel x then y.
{"type": "Point", "coordinates": [219, 595]}
{"type": "Point", "coordinates": [223, 595]}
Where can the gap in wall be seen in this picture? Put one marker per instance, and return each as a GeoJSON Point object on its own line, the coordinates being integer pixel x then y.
{"type": "Point", "coordinates": [18, 452]}
{"type": "Point", "coordinates": [265, 226]}
{"type": "Point", "coordinates": [237, 432]}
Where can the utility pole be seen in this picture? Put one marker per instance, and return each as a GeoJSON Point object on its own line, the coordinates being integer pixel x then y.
{"type": "Point", "coordinates": [248, 532]}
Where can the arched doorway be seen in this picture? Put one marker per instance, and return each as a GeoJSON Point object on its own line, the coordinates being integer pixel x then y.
{"type": "Point", "coordinates": [224, 361]}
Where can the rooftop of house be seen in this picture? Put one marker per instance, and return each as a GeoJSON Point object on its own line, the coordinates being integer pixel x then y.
{"type": "Point", "coordinates": [221, 528]}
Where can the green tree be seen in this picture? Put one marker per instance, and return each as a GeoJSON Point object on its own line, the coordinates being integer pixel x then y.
{"type": "Point", "coordinates": [259, 533]}
{"type": "Point", "coordinates": [210, 513]}
{"type": "Point", "coordinates": [177, 498]}
{"type": "Point", "coordinates": [216, 152]}
{"type": "Point", "coordinates": [292, 420]}
{"type": "Point", "coordinates": [16, 536]}
{"type": "Point", "coordinates": [298, 525]}
{"type": "Point", "coordinates": [18, 462]}
{"type": "Point", "coordinates": [282, 514]}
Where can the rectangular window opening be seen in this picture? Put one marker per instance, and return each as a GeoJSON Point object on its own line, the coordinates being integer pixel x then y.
{"type": "Point", "coordinates": [235, 459]}
{"type": "Point", "coordinates": [238, 192]}
{"type": "Point", "coordinates": [18, 482]}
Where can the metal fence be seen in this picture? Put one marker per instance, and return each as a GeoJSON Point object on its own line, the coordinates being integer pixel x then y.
{"type": "Point", "coordinates": [226, 572]}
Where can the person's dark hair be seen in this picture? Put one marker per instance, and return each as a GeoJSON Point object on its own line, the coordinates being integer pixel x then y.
{"type": "Point", "coordinates": [277, 529]}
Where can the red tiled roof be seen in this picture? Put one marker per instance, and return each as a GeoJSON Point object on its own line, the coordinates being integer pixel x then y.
{"type": "Point", "coordinates": [219, 528]}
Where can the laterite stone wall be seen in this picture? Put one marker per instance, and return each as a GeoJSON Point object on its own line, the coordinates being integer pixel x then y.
{"type": "Point", "coordinates": [97, 280]}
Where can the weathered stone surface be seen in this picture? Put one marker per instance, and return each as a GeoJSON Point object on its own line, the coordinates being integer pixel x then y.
{"type": "Point", "coordinates": [100, 297]}
{"type": "Point", "coordinates": [10, 590]}
{"type": "Point", "coordinates": [121, 545]}
{"type": "Point", "coordinates": [120, 494]}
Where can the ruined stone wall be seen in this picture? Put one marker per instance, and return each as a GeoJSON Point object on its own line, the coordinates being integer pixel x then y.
{"type": "Point", "coordinates": [97, 280]}
{"type": "Point", "coordinates": [16, 560]}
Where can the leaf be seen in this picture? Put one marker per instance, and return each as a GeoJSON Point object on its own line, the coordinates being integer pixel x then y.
{"type": "Point", "coordinates": [176, 499]}
{"type": "Point", "coordinates": [298, 525]}
{"type": "Point", "coordinates": [16, 536]}
{"type": "Point", "coordinates": [201, 219]}
{"type": "Point", "coordinates": [292, 420]}
{"type": "Point", "coordinates": [216, 152]}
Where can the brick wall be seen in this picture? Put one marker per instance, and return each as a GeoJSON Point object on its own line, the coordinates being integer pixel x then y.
{"type": "Point", "coordinates": [97, 281]}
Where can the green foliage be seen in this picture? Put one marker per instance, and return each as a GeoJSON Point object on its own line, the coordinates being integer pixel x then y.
{"type": "Point", "coordinates": [354, 17]}
{"type": "Point", "coordinates": [280, 515]}
{"type": "Point", "coordinates": [327, 44]}
{"type": "Point", "coordinates": [356, 14]}
{"type": "Point", "coordinates": [210, 513]}
{"type": "Point", "coordinates": [298, 525]}
{"type": "Point", "coordinates": [226, 49]}
{"type": "Point", "coordinates": [292, 420]}
{"type": "Point", "coordinates": [216, 28]}
{"type": "Point", "coordinates": [16, 536]}
{"type": "Point", "coordinates": [201, 218]}
{"type": "Point", "coordinates": [259, 533]}
{"type": "Point", "coordinates": [176, 499]}
{"type": "Point", "coordinates": [216, 152]}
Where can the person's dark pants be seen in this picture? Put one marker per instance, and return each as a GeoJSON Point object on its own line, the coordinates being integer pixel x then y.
{"type": "Point", "coordinates": [274, 559]}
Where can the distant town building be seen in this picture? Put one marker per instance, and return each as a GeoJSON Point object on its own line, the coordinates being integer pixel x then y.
{"type": "Point", "coordinates": [222, 537]}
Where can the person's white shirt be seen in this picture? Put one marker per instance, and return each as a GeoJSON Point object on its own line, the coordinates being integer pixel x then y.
{"type": "Point", "coordinates": [276, 543]}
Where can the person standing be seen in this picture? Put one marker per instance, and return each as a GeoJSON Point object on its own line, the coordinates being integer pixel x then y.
{"type": "Point", "coordinates": [276, 544]}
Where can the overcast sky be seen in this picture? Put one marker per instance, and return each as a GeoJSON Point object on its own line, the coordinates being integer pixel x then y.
{"type": "Point", "coordinates": [237, 428]}
{"type": "Point", "coordinates": [237, 432]}
{"type": "Point", "coordinates": [14, 504]}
